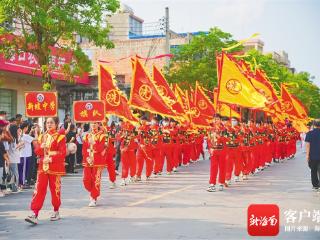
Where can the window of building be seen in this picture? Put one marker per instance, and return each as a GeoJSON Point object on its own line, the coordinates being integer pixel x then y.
{"type": "Point", "coordinates": [135, 26]}
{"type": "Point", "coordinates": [8, 101]}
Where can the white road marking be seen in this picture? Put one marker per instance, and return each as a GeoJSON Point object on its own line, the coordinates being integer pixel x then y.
{"type": "Point", "coordinates": [159, 196]}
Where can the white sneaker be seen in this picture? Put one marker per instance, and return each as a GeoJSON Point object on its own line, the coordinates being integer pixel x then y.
{"type": "Point", "coordinates": [123, 182]}
{"type": "Point", "coordinates": [228, 182]}
{"type": "Point", "coordinates": [256, 171]}
{"type": "Point", "coordinates": [112, 185]}
{"type": "Point", "coordinates": [245, 177]}
{"type": "Point", "coordinates": [237, 179]}
{"type": "Point", "coordinates": [220, 187]}
{"type": "Point", "coordinates": [2, 194]}
{"type": "Point", "coordinates": [168, 173]}
{"type": "Point", "coordinates": [92, 203]}
{"type": "Point", "coordinates": [132, 180]}
{"type": "Point", "coordinates": [55, 216]}
{"type": "Point", "coordinates": [175, 169]}
{"type": "Point", "coordinates": [211, 188]}
{"type": "Point", "coordinates": [32, 219]}
{"type": "Point", "coordinates": [138, 179]}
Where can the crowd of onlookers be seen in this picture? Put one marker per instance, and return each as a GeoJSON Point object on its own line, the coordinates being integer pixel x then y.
{"type": "Point", "coordinates": [17, 160]}
{"type": "Point", "coordinates": [18, 163]}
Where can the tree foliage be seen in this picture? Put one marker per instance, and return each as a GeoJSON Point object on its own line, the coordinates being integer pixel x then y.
{"type": "Point", "coordinates": [196, 61]}
{"type": "Point", "coordinates": [46, 23]}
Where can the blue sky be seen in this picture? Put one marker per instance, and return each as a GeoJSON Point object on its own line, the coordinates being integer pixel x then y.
{"type": "Point", "coordinates": [289, 25]}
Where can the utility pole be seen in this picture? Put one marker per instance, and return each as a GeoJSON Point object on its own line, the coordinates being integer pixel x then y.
{"type": "Point", "coordinates": [167, 44]}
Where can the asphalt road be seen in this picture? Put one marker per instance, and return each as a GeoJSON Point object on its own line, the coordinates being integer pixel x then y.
{"type": "Point", "coordinates": [167, 207]}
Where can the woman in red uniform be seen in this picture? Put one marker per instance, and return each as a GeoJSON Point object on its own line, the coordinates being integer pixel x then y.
{"type": "Point", "coordinates": [217, 147]}
{"type": "Point", "coordinates": [93, 151]}
{"type": "Point", "coordinates": [128, 157]}
{"type": "Point", "coordinates": [51, 148]}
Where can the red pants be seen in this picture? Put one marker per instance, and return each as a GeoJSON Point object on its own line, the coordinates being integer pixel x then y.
{"type": "Point", "coordinates": [199, 150]}
{"type": "Point", "coordinates": [218, 162]}
{"type": "Point", "coordinates": [92, 180]}
{"type": "Point", "coordinates": [168, 154]}
{"type": "Point", "coordinates": [111, 168]}
{"type": "Point", "coordinates": [129, 161]}
{"type": "Point", "coordinates": [40, 192]}
{"type": "Point", "coordinates": [177, 154]}
{"type": "Point", "coordinates": [193, 154]}
{"type": "Point", "coordinates": [186, 153]}
{"type": "Point", "coordinates": [156, 155]}
{"type": "Point", "coordinates": [238, 162]}
{"type": "Point", "coordinates": [144, 155]}
{"type": "Point", "coordinates": [256, 160]}
{"type": "Point", "coordinates": [231, 156]}
{"type": "Point", "coordinates": [281, 150]}
{"type": "Point", "coordinates": [268, 152]}
{"type": "Point", "coordinates": [246, 160]}
{"type": "Point", "coordinates": [252, 158]}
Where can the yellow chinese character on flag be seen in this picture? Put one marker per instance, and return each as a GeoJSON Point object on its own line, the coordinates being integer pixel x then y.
{"type": "Point", "coordinates": [96, 113]}
{"type": "Point", "coordinates": [45, 105]}
{"type": "Point", "coordinates": [37, 106]}
{"type": "Point", "coordinates": [84, 113]}
{"type": "Point", "coordinates": [52, 105]}
{"type": "Point", "coordinates": [30, 106]}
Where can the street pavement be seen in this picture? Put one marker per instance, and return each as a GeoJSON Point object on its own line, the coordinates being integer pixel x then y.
{"type": "Point", "coordinates": [166, 207]}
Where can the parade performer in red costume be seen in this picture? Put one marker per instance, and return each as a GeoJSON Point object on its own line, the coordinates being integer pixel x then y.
{"type": "Point", "coordinates": [94, 161]}
{"type": "Point", "coordinates": [128, 148]}
{"type": "Point", "coordinates": [144, 151]}
{"type": "Point", "coordinates": [109, 153]}
{"type": "Point", "coordinates": [166, 149]}
{"type": "Point", "coordinates": [217, 148]}
{"type": "Point", "coordinates": [51, 148]}
{"type": "Point", "coordinates": [156, 145]}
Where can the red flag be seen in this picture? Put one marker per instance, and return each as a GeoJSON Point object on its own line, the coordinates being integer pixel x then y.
{"type": "Point", "coordinates": [144, 94]}
{"type": "Point", "coordinates": [288, 105]}
{"type": "Point", "coordinates": [196, 116]}
{"type": "Point", "coordinates": [165, 91]}
{"type": "Point", "coordinates": [202, 101]}
{"type": "Point", "coordinates": [300, 107]}
{"type": "Point", "coordinates": [116, 103]}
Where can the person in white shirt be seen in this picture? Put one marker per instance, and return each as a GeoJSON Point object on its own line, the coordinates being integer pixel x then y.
{"type": "Point", "coordinates": [13, 149]}
{"type": "Point", "coordinates": [25, 153]}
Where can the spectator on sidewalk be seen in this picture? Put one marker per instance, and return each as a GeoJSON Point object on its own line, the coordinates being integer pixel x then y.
{"type": "Point", "coordinates": [71, 154]}
{"type": "Point", "coordinates": [4, 160]}
{"type": "Point", "coordinates": [79, 143]}
{"type": "Point", "coordinates": [313, 154]}
{"type": "Point", "coordinates": [25, 156]}
{"type": "Point", "coordinates": [13, 148]}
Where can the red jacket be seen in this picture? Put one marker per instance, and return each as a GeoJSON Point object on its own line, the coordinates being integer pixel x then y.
{"type": "Point", "coordinates": [57, 151]}
{"type": "Point", "coordinates": [99, 150]}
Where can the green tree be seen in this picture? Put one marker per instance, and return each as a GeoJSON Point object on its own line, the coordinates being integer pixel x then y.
{"type": "Point", "coordinates": [46, 23]}
{"type": "Point", "coordinates": [196, 61]}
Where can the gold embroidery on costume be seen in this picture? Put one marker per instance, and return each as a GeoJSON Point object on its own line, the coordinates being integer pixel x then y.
{"type": "Point", "coordinates": [98, 178]}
